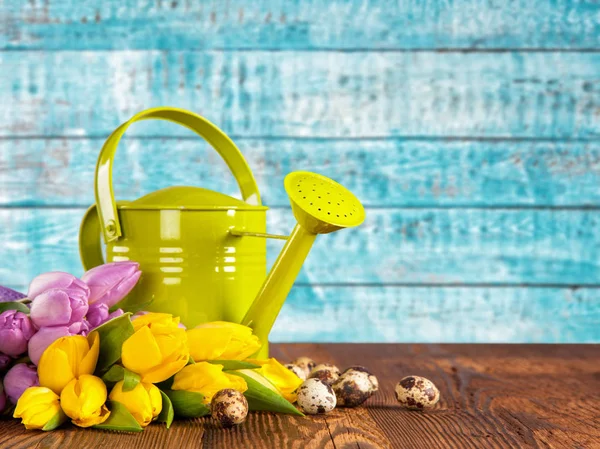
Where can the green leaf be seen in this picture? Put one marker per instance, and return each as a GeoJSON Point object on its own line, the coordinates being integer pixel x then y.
{"type": "Point", "coordinates": [13, 305]}
{"type": "Point", "coordinates": [262, 394]}
{"type": "Point", "coordinates": [56, 421]}
{"type": "Point", "coordinates": [188, 404]}
{"type": "Point", "coordinates": [167, 413]}
{"type": "Point", "coordinates": [112, 335]}
{"type": "Point", "coordinates": [130, 380]}
{"type": "Point", "coordinates": [229, 365]}
{"type": "Point", "coordinates": [115, 374]}
{"type": "Point", "coordinates": [120, 419]}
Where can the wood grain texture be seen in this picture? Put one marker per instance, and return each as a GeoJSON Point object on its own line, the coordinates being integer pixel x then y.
{"type": "Point", "coordinates": [393, 246]}
{"type": "Point", "coordinates": [299, 24]}
{"type": "Point", "coordinates": [307, 94]}
{"type": "Point", "coordinates": [492, 396]}
{"type": "Point", "coordinates": [382, 173]}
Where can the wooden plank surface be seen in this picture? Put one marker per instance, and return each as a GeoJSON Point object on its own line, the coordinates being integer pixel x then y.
{"type": "Point", "coordinates": [299, 24]}
{"type": "Point", "coordinates": [382, 173]}
{"type": "Point", "coordinates": [492, 396]}
{"type": "Point", "coordinates": [393, 246]}
{"type": "Point", "coordinates": [305, 94]}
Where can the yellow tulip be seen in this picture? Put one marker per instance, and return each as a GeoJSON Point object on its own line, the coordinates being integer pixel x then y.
{"type": "Point", "coordinates": [221, 340]}
{"type": "Point", "coordinates": [83, 400]}
{"type": "Point", "coordinates": [144, 402]}
{"type": "Point", "coordinates": [284, 380]}
{"type": "Point", "coordinates": [66, 359]}
{"type": "Point", "coordinates": [158, 348]}
{"type": "Point", "coordinates": [207, 379]}
{"type": "Point", "coordinates": [37, 406]}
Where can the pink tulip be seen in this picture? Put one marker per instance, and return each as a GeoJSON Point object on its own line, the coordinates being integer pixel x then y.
{"type": "Point", "coordinates": [15, 331]}
{"type": "Point", "coordinates": [98, 314]}
{"type": "Point", "coordinates": [59, 307]}
{"type": "Point", "coordinates": [47, 335]}
{"type": "Point", "coordinates": [56, 280]}
{"type": "Point", "coordinates": [18, 379]}
{"type": "Point", "coordinates": [111, 282]}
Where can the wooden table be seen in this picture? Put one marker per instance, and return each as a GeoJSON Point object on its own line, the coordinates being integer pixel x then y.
{"type": "Point", "coordinates": [496, 396]}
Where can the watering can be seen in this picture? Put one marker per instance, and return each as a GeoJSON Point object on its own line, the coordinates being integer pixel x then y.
{"type": "Point", "coordinates": [202, 253]}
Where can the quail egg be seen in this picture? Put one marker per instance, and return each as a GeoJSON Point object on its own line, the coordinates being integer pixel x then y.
{"type": "Point", "coordinates": [417, 393]}
{"type": "Point", "coordinates": [229, 407]}
{"type": "Point", "coordinates": [372, 378]}
{"type": "Point", "coordinates": [326, 372]}
{"type": "Point", "coordinates": [352, 388]}
{"type": "Point", "coordinates": [296, 370]}
{"type": "Point", "coordinates": [305, 363]}
{"type": "Point", "coordinates": [315, 397]}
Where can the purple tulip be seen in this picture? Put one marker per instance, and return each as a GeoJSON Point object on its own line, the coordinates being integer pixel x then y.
{"type": "Point", "coordinates": [15, 331]}
{"type": "Point", "coordinates": [59, 307]}
{"type": "Point", "coordinates": [98, 314]}
{"type": "Point", "coordinates": [111, 282]}
{"type": "Point", "coordinates": [56, 279]}
{"type": "Point", "coordinates": [5, 361]}
{"type": "Point", "coordinates": [48, 335]}
{"type": "Point", "coordinates": [18, 379]}
{"type": "Point", "coordinates": [8, 294]}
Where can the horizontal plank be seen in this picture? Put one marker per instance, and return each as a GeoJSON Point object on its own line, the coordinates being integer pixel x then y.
{"type": "Point", "coordinates": [394, 246]}
{"type": "Point", "coordinates": [305, 94]}
{"type": "Point", "coordinates": [382, 173]}
{"type": "Point", "coordinates": [299, 24]}
{"type": "Point", "coordinates": [438, 314]}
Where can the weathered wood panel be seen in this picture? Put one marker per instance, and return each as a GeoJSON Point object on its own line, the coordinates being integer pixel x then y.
{"type": "Point", "coordinates": [394, 246]}
{"type": "Point", "coordinates": [299, 24]}
{"type": "Point", "coordinates": [309, 94]}
{"type": "Point", "coordinates": [382, 173]}
{"type": "Point", "coordinates": [434, 314]}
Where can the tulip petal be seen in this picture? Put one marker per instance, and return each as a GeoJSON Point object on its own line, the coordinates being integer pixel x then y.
{"type": "Point", "coordinates": [207, 344]}
{"type": "Point", "coordinates": [54, 369]}
{"type": "Point", "coordinates": [140, 351]}
{"type": "Point", "coordinates": [44, 338]}
{"type": "Point", "coordinates": [51, 308]}
{"type": "Point", "coordinates": [55, 279]}
{"type": "Point", "coordinates": [111, 282]}
{"type": "Point", "coordinates": [88, 363]}
{"type": "Point", "coordinates": [165, 370]}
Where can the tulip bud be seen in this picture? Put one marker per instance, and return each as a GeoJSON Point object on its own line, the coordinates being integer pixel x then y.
{"type": "Point", "coordinates": [207, 379]}
{"type": "Point", "coordinates": [144, 402]}
{"type": "Point", "coordinates": [15, 331]}
{"type": "Point", "coordinates": [56, 280]}
{"type": "Point", "coordinates": [18, 379]}
{"type": "Point", "coordinates": [282, 378]}
{"type": "Point", "coordinates": [37, 406]}
{"type": "Point", "coordinates": [59, 307]}
{"type": "Point", "coordinates": [158, 348]}
{"type": "Point", "coordinates": [98, 314]}
{"type": "Point", "coordinates": [111, 282]}
{"type": "Point", "coordinates": [83, 400]}
{"type": "Point", "coordinates": [222, 340]}
{"type": "Point", "coordinates": [66, 359]}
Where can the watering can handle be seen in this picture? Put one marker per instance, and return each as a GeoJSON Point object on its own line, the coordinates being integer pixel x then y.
{"type": "Point", "coordinates": [105, 198]}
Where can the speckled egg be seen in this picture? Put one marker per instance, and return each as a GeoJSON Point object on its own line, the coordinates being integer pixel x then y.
{"type": "Point", "coordinates": [372, 378]}
{"type": "Point", "coordinates": [417, 393]}
{"type": "Point", "coordinates": [326, 372]}
{"type": "Point", "coordinates": [305, 363]}
{"type": "Point", "coordinates": [296, 370]}
{"type": "Point", "coordinates": [229, 407]}
{"type": "Point", "coordinates": [352, 388]}
{"type": "Point", "coordinates": [315, 397]}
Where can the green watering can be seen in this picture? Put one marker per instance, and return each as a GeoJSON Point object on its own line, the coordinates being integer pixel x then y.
{"type": "Point", "coordinates": [202, 253]}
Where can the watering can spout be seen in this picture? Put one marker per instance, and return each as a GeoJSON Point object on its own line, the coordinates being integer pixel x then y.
{"type": "Point", "coordinates": [320, 206]}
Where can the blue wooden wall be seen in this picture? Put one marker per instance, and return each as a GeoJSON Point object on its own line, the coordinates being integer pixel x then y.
{"type": "Point", "coordinates": [470, 129]}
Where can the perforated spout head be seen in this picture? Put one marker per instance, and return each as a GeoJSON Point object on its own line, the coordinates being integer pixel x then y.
{"type": "Point", "coordinates": [320, 204]}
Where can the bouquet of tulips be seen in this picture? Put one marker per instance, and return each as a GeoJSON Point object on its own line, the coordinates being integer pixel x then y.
{"type": "Point", "coordinates": [68, 352]}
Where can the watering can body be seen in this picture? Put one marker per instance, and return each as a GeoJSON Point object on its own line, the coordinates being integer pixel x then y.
{"type": "Point", "coordinates": [192, 265]}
